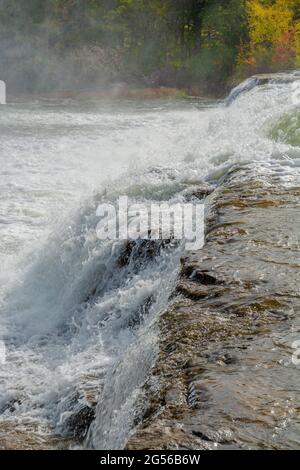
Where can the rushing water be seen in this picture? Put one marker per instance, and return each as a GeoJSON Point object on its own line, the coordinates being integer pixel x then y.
{"type": "Point", "coordinates": [73, 320]}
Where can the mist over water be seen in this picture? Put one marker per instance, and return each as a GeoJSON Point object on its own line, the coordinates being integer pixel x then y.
{"type": "Point", "coordinates": [73, 320]}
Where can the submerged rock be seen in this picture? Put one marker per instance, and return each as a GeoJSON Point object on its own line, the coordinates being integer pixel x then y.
{"type": "Point", "coordinates": [30, 435]}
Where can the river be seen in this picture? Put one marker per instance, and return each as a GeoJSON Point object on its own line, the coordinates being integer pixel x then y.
{"type": "Point", "coordinates": [77, 327]}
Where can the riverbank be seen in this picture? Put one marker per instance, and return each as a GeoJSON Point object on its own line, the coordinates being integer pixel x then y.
{"type": "Point", "coordinates": [116, 93]}
{"type": "Point", "coordinates": [135, 93]}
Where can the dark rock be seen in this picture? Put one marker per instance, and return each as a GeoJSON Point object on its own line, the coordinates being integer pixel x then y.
{"type": "Point", "coordinates": [78, 423]}
{"type": "Point", "coordinates": [201, 192]}
{"type": "Point", "coordinates": [140, 313]}
{"type": "Point", "coordinates": [10, 406]}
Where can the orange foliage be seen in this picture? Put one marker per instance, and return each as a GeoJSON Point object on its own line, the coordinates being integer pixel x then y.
{"type": "Point", "coordinates": [284, 51]}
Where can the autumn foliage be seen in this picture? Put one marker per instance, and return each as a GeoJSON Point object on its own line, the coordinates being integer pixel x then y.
{"type": "Point", "coordinates": [274, 35]}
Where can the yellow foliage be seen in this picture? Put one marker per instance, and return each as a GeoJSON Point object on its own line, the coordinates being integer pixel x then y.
{"type": "Point", "coordinates": [268, 22]}
{"type": "Point", "coordinates": [274, 33]}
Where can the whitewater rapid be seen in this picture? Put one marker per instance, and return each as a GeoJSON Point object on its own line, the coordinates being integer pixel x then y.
{"type": "Point", "coordinates": [74, 322]}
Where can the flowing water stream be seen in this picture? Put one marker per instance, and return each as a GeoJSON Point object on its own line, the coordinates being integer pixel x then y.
{"type": "Point", "coordinates": [79, 326]}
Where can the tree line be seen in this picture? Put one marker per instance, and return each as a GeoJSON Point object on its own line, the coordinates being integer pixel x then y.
{"type": "Point", "coordinates": [48, 44]}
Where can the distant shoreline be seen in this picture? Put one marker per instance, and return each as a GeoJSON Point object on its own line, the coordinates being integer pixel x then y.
{"type": "Point", "coordinates": [119, 92]}
{"type": "Point", "coordinates": [134, 92]}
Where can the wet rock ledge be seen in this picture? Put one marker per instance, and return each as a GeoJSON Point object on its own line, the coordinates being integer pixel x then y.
{"type": "Point", "coordinates": [223, 377]}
